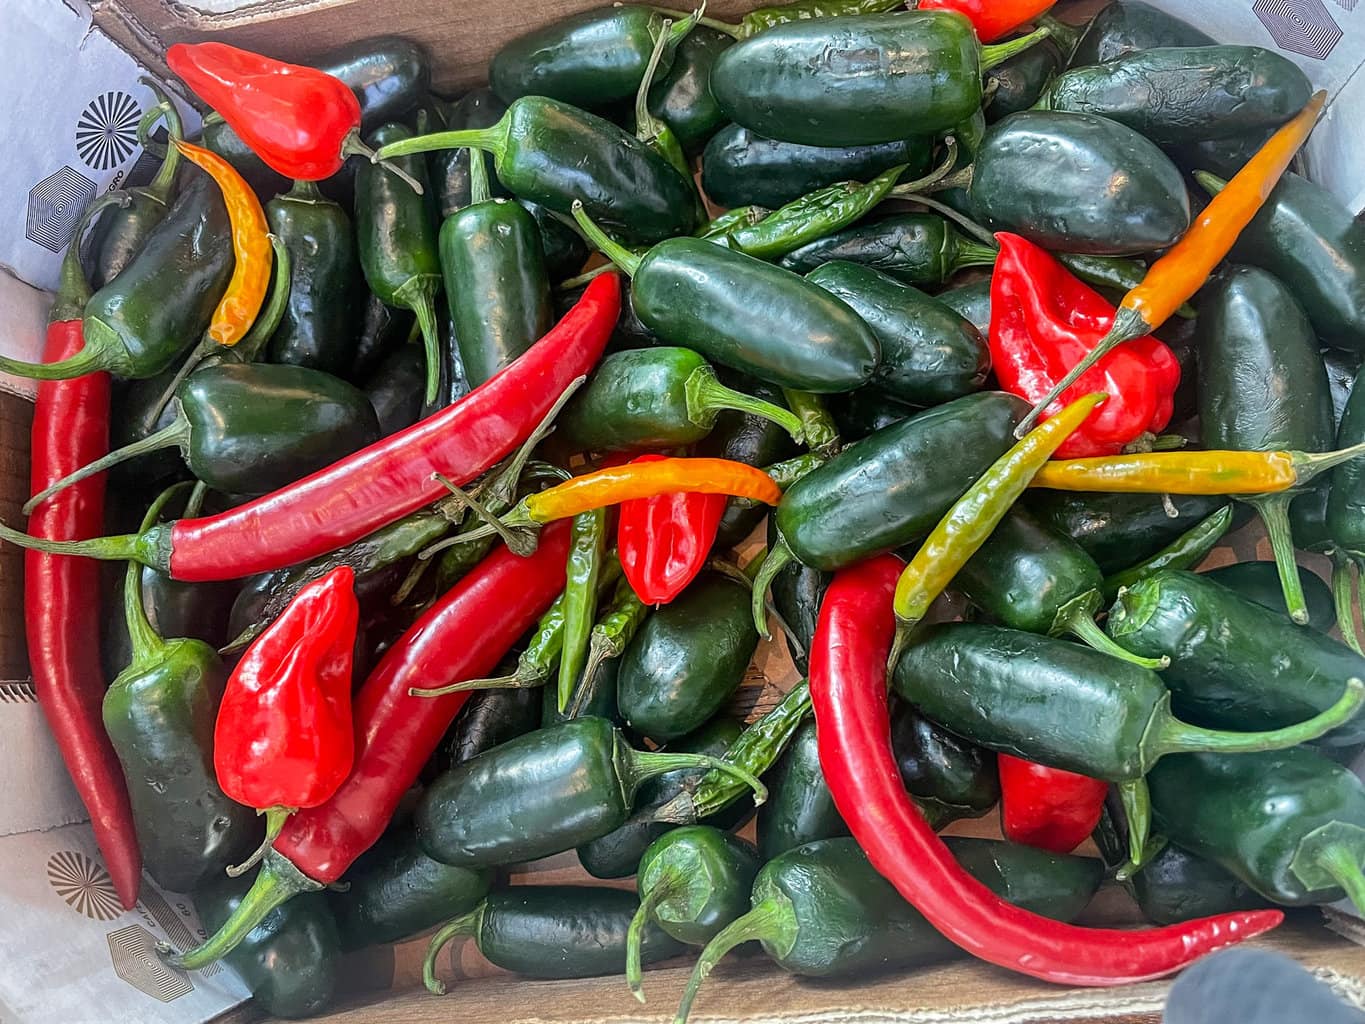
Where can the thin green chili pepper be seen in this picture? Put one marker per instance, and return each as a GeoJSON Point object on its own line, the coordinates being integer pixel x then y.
{"type": "Point", "coordinates": [1185, 552]}
{"type": "Point", "coordinates": [818, 428]}
{"type": "Point", "coordinates": [614, 631]}
{"type": "Point", "coordinates": [1117, 272]}
{"type": "Point", "coordinates": [730, 220]}
{"type": "Point", "coordinates": [587, 550]}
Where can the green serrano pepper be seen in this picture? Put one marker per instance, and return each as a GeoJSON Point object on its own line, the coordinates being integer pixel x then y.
{"type": "Point", "coordinates": [615, 630]}
{"type": "Point", "coordinates": [800, 807]}
{"type": "Point", "coordinates": [587, 551]}
{"type": "Point", "coordinates": [1185, 552]}
{"type": "Point", "coordinates": [917, 248]}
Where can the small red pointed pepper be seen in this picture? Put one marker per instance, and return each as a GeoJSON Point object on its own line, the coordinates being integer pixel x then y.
{"type": "Point", "coordinates": [664, 541]}
{"type": "Point", "coordinates": [1044, 321]}
{"type": "Point", "coordinates": [1048, 808]}
{"type": "Point", "coordinates": [284, 738]}
{"type": "Point", "coordinates": [991, 18]}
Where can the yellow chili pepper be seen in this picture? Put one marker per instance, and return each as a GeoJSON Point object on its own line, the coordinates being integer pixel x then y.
{"type": "Point", "coordinates": [1175, 277]}
{"type": "Point", "coordinates": [241, 303]}
{"type": "Point", "coordinates": [1212, 472]}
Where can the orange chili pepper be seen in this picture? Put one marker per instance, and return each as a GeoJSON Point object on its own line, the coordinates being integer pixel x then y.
{"type": "Point", "coordinates": [241, 303]}
{"type": "Point", "coordinates": [1175, 277]}
{"type": "Point", "coordinates": [1211, 472]}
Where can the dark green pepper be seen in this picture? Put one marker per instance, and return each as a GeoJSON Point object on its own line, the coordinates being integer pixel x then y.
{"type": "Point", "coordinates": [948, 777]}
{"type": "Point", "coordinates": [492, 717]}
{"type": "Point", "coordinates": [1016, 84]}
{"type": "Point", "coordinates": [539, 794]}
{"type": "Point", "coordinates": [449, 168]}
{"type": "Point", "coordinates": [388, 74]}
{"type": "Point", "coordinates": [972, 302]}
{"type": "Point", "coordinates": [395, 891]}
{"type": "Point", "coordinates": [1289, 823]}
{"type": "Point", "coordinates": [291, 961]}
{"type": "Point", "coordinates": [930, 355]}
{"type": "Point", "coordinates": [682, 98]}
{"type": "Point", "coordinates": [1176, 885]}
{"type": "Point", "coordinates": [564, 248]}
{"type": "Point", "coordinates": [797, 592]}
{"type": "Point", "coordinates": [917, 248]}
{"type": "Point", "coordinates": [688, 659]}
{"type": "Point", "coordinates": [1345, 519]}
{"type": "Point", "coordinates": [1185, 94]}
{"type": "Point", "coordinates": [1078, 183]}
{"type": "Point", "coordinates": [740, 167]}
{"type": "Point", "coordinates": [861, 414]}
{"type": "Point", "coordinates": [198, 611]}
{"type": "Point", "coordinates": [1185, 552]}
{"type": "Point", "coordinates": [1128, 25]}
{"type": "Point", "coordinates": [218, 136]}
{"type": "Point", "coordinates": [381, 331]}
{"type": "Point", "coordinates": [395, 389]}
{"type": "Point", "coordinates": [1260, 582]}
{"type": "Point", "coordinates": [1342, 368]}
{"type": "Point", "coordinates": [800, 807]}
{"type": "Point", "coordinates": [652, 398]}
{"type": "Point", "coordinates": [1225, 156]}
{"type": "Point", "coordinates": [319, 325]}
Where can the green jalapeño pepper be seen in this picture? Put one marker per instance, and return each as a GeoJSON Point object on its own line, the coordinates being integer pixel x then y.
{"type": "Point", "coordinates": [917, 248]}
{"type": "Point", "coordinates": [219, 138]}
{"type": "Point", "coordinates": [395, 389]}
{"type": "Point", "coordinates": [682, 97]}
{"type": "Point", "coordinates": [319, 325]}
{"type": "Point", "coordinates": [495, 279]}
{"type": "Point", "coordinates": [1345, 520]}
{"type": "Point", "coordinates": [553, 154]}
{"type": "Point", "coordinates": [948, 777]}
{"type": "Point", "coordinates": [1015, 84]}
{"type": "Point", "coordinates": [381, 331]}
{"type": "Point", "coordinates": [450, 169]}
{"type": "Point", "coordinates": [1290, 823]}
{"type": "Point", "coordinates": [398, 244]}
{"type": "Point", "coordinates": [1128, 25]}
{"type": "Point", "coordinates": [657, 398]}
{"type": "Point", "coordinates": [858, 80]}
{"type": "Point", "coordinates": [1185, 552]}
{"type": "Point", "coordinates": [1260, 582]}
{"type": "Point", "coordinates": [800, 807]}
{"type": "Point", "coordinates": [972, 302]}
{"type": "Point", "coordinates": [388, 74]}
{"type": "Point", "coordinates": [723, 304]}
{"type": "Point", "coordinates": [159, 713]}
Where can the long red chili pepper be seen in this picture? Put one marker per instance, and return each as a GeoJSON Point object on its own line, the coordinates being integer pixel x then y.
{"type": "Point", "coordinates": [61, 593]}
{"type": "Point", "coordinates": [1049, 808]}
{"type": "Point", "coordinates": [664, 541]}
{"type": "Point", "coordinates": [848, 691]}
{"type": "Point", "coordinates": [359, 494]}
{"type": "Point", "coordinates": [463, 636]}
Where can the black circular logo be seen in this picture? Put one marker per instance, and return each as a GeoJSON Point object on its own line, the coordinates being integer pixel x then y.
{"type": "Point", "coordinates": [107, 130]}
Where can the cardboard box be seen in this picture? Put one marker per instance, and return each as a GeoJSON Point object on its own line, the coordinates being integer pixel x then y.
{"type": "Point", "coordinates": [95, 964]}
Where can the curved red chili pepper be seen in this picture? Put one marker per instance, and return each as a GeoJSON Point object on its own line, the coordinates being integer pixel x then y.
{"type": "Point", "coordinates": [664, 541]}
{"type": "Point", "coordinates": [848, 691]}
{"type": "Point", "coordinates": [991, 18]}
{"type": "Point", "coordinates": [1049, 808]}
{"type": "Point", "coordinates": [1043, 321]}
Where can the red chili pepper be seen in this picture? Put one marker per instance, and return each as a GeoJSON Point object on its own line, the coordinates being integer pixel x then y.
{"type": "Point", "coordinates": [1043, 321]}
{"type": "Point", "coordinates": [357, 495]}
{"type": "Point", "coordinates": [1047, 807]}
{"type": "Point", "coordinates": [848, 691]}
{"type": "Point", "coordinates": [664, 541]}
{"type": "Point", "coordinates": [991, 18]}
{"type": "Point", "coordinates": [61, 593]}
{"type": "Point", "coordinates": [284, 738]}
{"type": "Point", "coordinates": [462, 636]}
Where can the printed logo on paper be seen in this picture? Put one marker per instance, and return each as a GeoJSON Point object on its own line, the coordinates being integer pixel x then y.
{"type": "Point", "coordinates": [84, 885]}
{"type": "Point", "coordinates": [106, 133]}
{"type": "Point", "coordinates": [132, 951]}
{"type": "Point", "coordinates": [1304, 27]}
{"type": "Point", "coordinates": [55, 206]}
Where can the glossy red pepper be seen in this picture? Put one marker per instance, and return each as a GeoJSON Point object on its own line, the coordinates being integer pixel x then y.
{"type": "Point", "coordinates": [1049, 808]}
{"type": "Point", "coordinates": [991, 18]}
{"type": "Point", "coordinates": [1043, 321]}
{"type": "Point", "coordinates": [664, 541]}
{"type": "Point", "coordinates": [61, 593]}
{"type": "Point", "coordinates": [848, 692]}
{"type": "Point", "coordinates": [464, 635]}
{"type": "Point", "coordinates": [284, 738]}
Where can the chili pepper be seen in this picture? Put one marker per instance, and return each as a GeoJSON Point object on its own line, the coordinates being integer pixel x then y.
{"type": "Point", "coordinates": [587, 551]}
{"type": "Point", "coordinates": [1027, 577]}
{"type": "Point", "coordinates": [1115, 528]}
{"type": "Point", "coordinates": [1048, 808]}
{"type": "Point", "coordinates": [450, 169]}
{"type": "Point", "coordinates": [1125, 26]}
{"type": "Point", "coordinates": [534, 665]}
{"type": "Point", "coordinates": [382, 331]}
{"type": "Point", "coordinates": [555, 154]}
{"type": "Point", "coordinates": [1015, 84]}
{"type": "Point", "coordinates": [388, 74]}
{"type": "Point", "coordinates": [972, 302]}
{"type": "Point", "coordinates": [693, 881]}
{"type": "Point", "coordinates": [250, 428]}
{"type": "Point", "coordinates": [972, 518]}
{"type": "Point", "coordinates": [948, 777]}
{"type": "Point", "coordinates": [551, 931]}
{"type": "Point", "coordinates": [822, 910]}
{"type": "Point", "coordinates": [687, 659]}
{"type": "Point", "coordinates": [1308, 239]}
{"type": "Point", "coordinates": [783, 84]}
{"type": "Point", "coordinates": [1180, 271]}
{"type": "Point", "coordinates": [1185, 552]}
{"type": "Point", "coordinates": [70, 427]}
{"type": "Point", "coordinates": [198, 611]}
{"type": "Point", "coordinates": [664, 541]}
{"type": "Point", "coordinates": [1112, 272]}
{"type": "Point", "coordinates": [395, 891]}
{"type": "Point", "coordinates": [917, 248]}
{"type": "Point", "coordinates": [1043, 321]}
{"type": "Point", "coordinates": [1259, 582]}
{"type": "Point", "coordinates": [930, 355]}
{"type": "Point", "coordinates": [1344, 521]}
{"type": "Point", "coordinates": [158, 714]}
{"type": "Point", "coordinates": [800, 809]}
{"type": "Point", "coordinates": [796, 595]}
{"type": "Point", "coordinates": [500, 599]}
{"type": "Point", "coordinates": [991, 20]}
{"type": "Point", "coordinates": [848, 669]}
{"type": "Point", "coordinates": [761, 19]}
{"type": "Point", "coordinates": [124, 231]}
{"type": "Point", "coordinates": [1288, 823]}
{"type": "Point", "coordinates": [396, 388]}
{"type": "Point", "coordinates": [217, 135]}
{"type": "Point", "coordinates": [489, 718]}
{"type": "Point", "coordinates": [682, 97]}
{"type": "Point", "coordinates": [291, 961]}
{"type": "Point", "coordinates": [857, 417]}
{"type": "Point", "coordinates": [542, 793]}
{"type": "Point", "coordinates": [615, 630]}
{"type": "Point", "coordinates": [384, 482]}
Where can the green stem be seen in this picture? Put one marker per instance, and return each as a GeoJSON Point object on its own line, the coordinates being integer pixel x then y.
{"type": "Point", "coordinates": [177, 434]}
{"type": "Point", "coordinates": [1077, 618]}
{"type": "Point", "coordinates": [909, 189]}
{"type": "Point", "coordinates": [635, 934]}
{"type": "Point", "coordinates": [1274, 512]}
{"type": "Point", "coordinates": [492, 524]}
{"type": "Point", "coordinates": [1137, 809]}
{"type": "Point", "coordinates": [642, 765]}
{"type": "Point", "coordinates": [493, 140]}
{"type": "Point", "coordinates": [625, 260]}
{"type": "Point", "coordinates": [419, 295]}
{"type": "Point", "coordinates": [818, 428]}
{"type": "Point", "coordinates": [191, 363]}
{"type": "Point", "coordinates": [647, 126]}
{"type": "Point", "coordinates": [771, 921]}
{"type": "Point", "coordinates": [278, 882]}
{"type": "Point", "coordinates": [464, 925]}
{"type": "Point", "coordinates": [479, 191]}
{"type": "Point", "coordinates": [733, 31]}
{"type": "Point", "coordinates": [778, 558]}
{"type": "Point", "coordinates": [275, 817]}
{"type": "Point", "coordinates": [147, 644]}
{"type": "Point", "coordinates": [90, 359]}
{"type": "Point", "coordinates": [569, 284]}
{"type": "Point", "coordinates": [268, 320]}
{"type": "Point", "coordinates": [1308, 465]}
{"type": "Point", "coordinates": [998, 53]}
{"type": "Point", "coordinates": [73, 290]}
{"type": "Point", "coordinates": [194, 504]}
{"type": "Point", "coordinates": [1172, 736]}
{"type": "Point", "coordinates": [352, 145]}
{"type": "Point", "coordinates": [1066, 36]}
{"type": "Point", "coordinates": [1343, 594]}
{"type": "Point", "coordinates": [144, 548]}
{"type": "Point", "coordinates": [517, 680]}
{"type": "Point", "coordinates": [706, 396]}
{"type": "Point", "coordinates": [1342, 863]}
{"type": "Point", "coordinates": [163, 182]}
{"type": "Point", "coordinates": [303, 191]}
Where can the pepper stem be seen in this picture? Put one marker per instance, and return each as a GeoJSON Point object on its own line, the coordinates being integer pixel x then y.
{"type": "Point", "coordinates": [352, 145]}
{"type": "Point", "coordinates": [1274, 512]}
{"type": "Point", "coordinates": [279, 881]}
{"type": "Point", "coordinates": [73, 290]}
{"type": "Point", "coordinates": [1077, 617]}
{"type": "Point", "coordinates": [159, 188]}
{"type": "Point", "coordinates": [1343, 593]}
{"type": "Point", "coordinates": [1172, 736]}
{"type": "Point", "coordinates": [1066, 36]}
{"type": "Point", "coordinates": [419, 295]}
{"type": "Point", "coordinates": [1308, 465]}
{"type": "Point", "coordinates": [515, 543]}
{"type": "Point", "coordinates": [191, 363]}
{"type": "Point", "coordinates": [139, 547]}
{"type": "Point", "coordinates": [707, 396]}
{"type": "Point", "coordinates": [268, 320]}
{"type": "Point", "coordinates": [275, 817]}
{"type": "Point", "coordinates": [627, 261]}
{"type": "Point", "coordinates": [1137, 809]}
{"type": "Point", "coordinates": [493, 139]}
{"type": "Point", "coordinates": [968, 254]}
{"type": "Point", "coordinates": [778, 558]}
{"type": "Point", "coordinates": [908, 189]}
{"type": "Point", "coordinates": [145, 641]}
{"type": "Point", "coordinates": [479, 192]}
{"type": "Point", "coordinates": [771, 920]}
{"type": "Point", "coordinates": [636, 932]}
{"type": "Point", "coordinates": [176, 434]}
{"type": "Point", "coordinates": [1343, 864]}
{"type": "Point", "coordinates": [465, 924]}
{"type": "Point", "coordinates": [1128, 324]}
{"type": "Point", "coordinates": [998, 53]}
{"type": "Point", "coordinates": [733, 31]}
{"type": "Point", "coordinates": [641, 765]}
{"type": "Point", "coordinates": [89, 359]}
{"type": "Point", "coordinates": [818, 429]}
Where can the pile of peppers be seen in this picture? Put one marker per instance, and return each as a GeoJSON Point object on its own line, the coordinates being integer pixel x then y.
{"type": "Point", "coordinates": [508, 443]}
